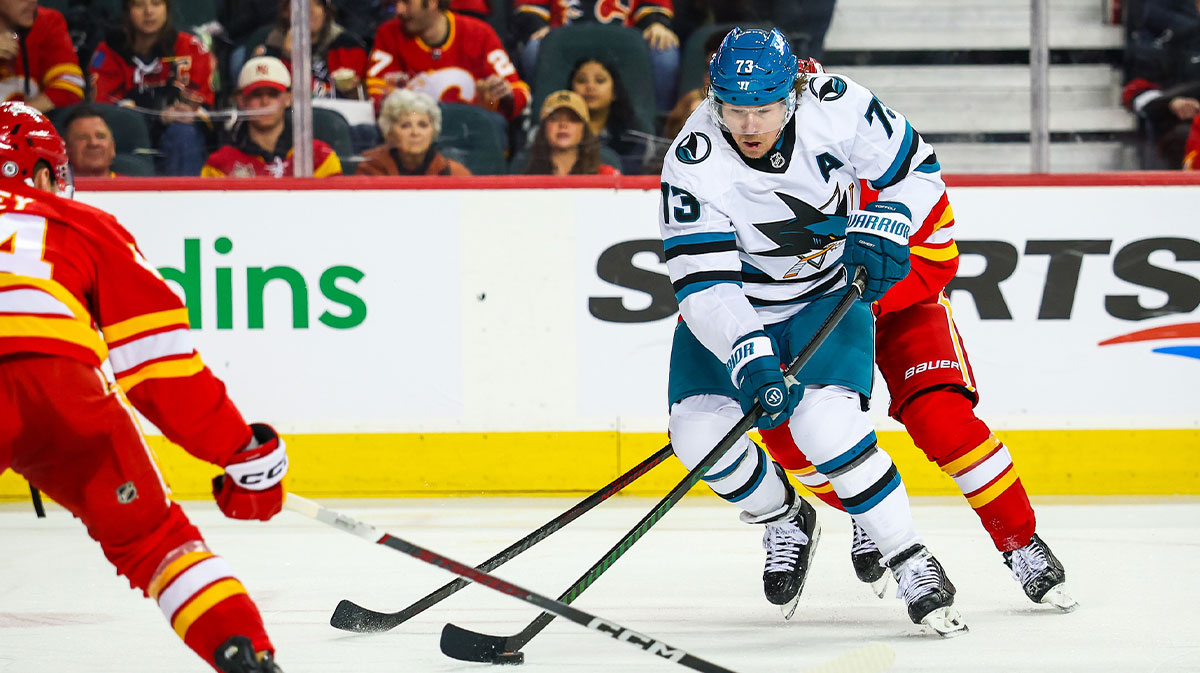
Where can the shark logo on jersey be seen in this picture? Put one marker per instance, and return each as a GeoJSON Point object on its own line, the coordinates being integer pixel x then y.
{"type": "Point", "coordinates": [808, 230]}
{"type": "Point", "coordinates": [695, 148]}
{"type": "Point", "coordinates": [832, 88]}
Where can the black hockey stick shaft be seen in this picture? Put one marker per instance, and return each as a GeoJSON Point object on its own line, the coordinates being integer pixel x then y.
{"type": "Point", "coordinates": [460, 643]}
{"type": "Point", "coordinates": [646, 643]}
{"type": "Point", "coordinates": [38, 507]}
{"type": "Point", "coordinates": [349, 616]}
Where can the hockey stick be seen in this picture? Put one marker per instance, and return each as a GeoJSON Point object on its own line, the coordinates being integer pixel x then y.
{"type": "Point", "coordinates": [367, 532]}
{"type": "Point", "coordinates": [38, 507]}
{"type": "Point", "coordinates": [466, 645]}
{"type": "Point", "coordinates": [349, 616]}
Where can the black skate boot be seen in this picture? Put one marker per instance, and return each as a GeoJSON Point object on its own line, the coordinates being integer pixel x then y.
{"type": "Point", "coordinates": [867, 561]}
{"type": "Point", "coordinates": [929, 594]}
{"type": "Point", "coordinates": [1041, 574]}
{"type": "Point", "coordinates": [790, 539]}
{"type": "Point", "coordinates": [237, 655]}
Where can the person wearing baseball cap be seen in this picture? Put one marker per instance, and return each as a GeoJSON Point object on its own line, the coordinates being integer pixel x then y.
{"type": "Point", "coordinates": [564, 143]}
{"type": "Point", "coordinates": [262, 142]}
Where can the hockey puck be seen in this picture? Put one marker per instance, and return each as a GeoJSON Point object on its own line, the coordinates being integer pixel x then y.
{"type": "Point", "coordinates": [509, 658]}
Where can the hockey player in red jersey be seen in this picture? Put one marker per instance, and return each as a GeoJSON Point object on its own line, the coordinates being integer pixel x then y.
{"type": "Point", "coordinates": [76, 291]}
{"type": "Point", "coordinates": [922, 358]}
{"type": "Point", "coordinates": [453, 58]}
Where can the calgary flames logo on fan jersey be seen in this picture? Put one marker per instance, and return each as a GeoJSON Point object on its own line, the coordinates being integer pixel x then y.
{"type": "Point", "coordinates": [438, 83]}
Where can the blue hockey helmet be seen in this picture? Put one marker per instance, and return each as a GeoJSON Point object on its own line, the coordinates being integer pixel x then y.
{"type": "Point", "coordinates": [752, 67]}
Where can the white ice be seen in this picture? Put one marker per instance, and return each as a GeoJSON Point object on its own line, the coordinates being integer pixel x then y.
{"type": "Point", "coordinates": [692, 581]}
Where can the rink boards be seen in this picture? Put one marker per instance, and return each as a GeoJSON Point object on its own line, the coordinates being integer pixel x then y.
{"type": "Point", "coordinates": [514, 339]}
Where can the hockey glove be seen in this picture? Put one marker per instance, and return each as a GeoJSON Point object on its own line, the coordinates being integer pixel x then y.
{"type": "Point", "coordinates": [755, 371]}
{"type": "Point", "coordinates": [252, 487]}
{"type": "Point", "coordinates": [877, 240]}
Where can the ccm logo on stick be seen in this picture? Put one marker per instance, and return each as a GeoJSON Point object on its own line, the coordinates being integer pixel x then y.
{"type": "Point", "coordinates": [645, 642]}
{"type": "Point", "coordinates": [929, 366]}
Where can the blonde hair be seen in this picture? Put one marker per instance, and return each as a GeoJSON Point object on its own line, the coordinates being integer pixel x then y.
{"type": "Point", "coordinates": [403, 102]}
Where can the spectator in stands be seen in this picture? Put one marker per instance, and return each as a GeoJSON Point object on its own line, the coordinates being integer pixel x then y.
{"type": "Point", "coordinates": [168, 73]}
{"type": "Point", "coordinates": [1164, 71]}
{"type": "Point", "coordinates": [456, 59]}
{"type": "Point", "coordinates": [37, 60]}
{"type": "Point", "coordinates": [339, 57]}
{"type": "Point", "coordinates": [480, 9]}
{"type": "Point", "coordinates": [262, 144]}
{"type": "Point", "coordinates": [690, 100]}
{"type": "Point", "coordinates": [533, 20]}
{"type": "Point", "coordinates": [564, 143]}
{"type": "Point", "coordinates": [609, 110]}
{"type": "Point", "coordinates": [1191, 151]}
{"type": "Point", "coordinates": [90, 145]}
{"type": "Point", "coordinates": [410, 122]}
{"type": "Point", "coordinates": [363, 17]}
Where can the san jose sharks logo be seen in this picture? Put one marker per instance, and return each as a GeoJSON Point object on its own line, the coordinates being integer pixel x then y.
{"type": "Point", "coordinates": [810, 233]}
{"type": "Point", "coordinates": [695, 148]}
{"type": "Point", "coordinates": [831, 89]}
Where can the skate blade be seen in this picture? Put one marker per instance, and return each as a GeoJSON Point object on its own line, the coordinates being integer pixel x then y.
{"type": "Point", "coordinates": [880, 586]}
{"type": "Point", "coordinates": [1059, 598]}
{"type": "Point", "coordinates": [788, 609]}
{"type": "Point", "coordinates": [946, 622]}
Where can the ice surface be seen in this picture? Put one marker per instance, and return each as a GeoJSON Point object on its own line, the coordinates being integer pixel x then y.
{"type": "Point", "coordinates": [692, 581]}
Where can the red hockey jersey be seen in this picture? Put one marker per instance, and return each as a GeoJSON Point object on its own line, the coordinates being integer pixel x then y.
{"type": "Point", "coordinates": [186, 72]}
{"type": "Point", "coordinates": [242, 158]}
{"type": "Point", "coordinates": [74, 284]}
{"type": "Point", "coordinates": [1191, 151]}
{"type": "Point", "coordinates": [634, 13]}
{"type": "Point", "coordinates": [53, 68]}
{"type": "Point", "coordinates": [472, 52]}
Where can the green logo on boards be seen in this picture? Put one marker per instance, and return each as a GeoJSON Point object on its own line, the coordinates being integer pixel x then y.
{"type": "Point", "coordinates": [343, 308]}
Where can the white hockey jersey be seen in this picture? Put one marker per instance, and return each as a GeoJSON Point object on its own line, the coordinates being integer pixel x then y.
{"type": "Point", "coordinates": [749, 242]}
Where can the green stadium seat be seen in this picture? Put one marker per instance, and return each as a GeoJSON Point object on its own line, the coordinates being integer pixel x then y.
{"type": "Point", "coordinates": [331, 127]}
{"type": "Point", "coordinates": [133, 165]}
{"type": "Point", "coordinates": [129, 128]}
{"type": "Point", "coordinates": [475, 137]}
{"type": "Point", "coordinates": [187, 14]}
{"type": "Point", "coordinates": [623, 47]}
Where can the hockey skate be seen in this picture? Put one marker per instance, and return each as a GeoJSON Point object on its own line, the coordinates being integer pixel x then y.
{"type": "Point", "coordinates": [790, 539]}
{"type": "Point", "coordinates": [1041, 574]}
{"type": "Point", "coordinates": [929, 594]}
{"type": "Point", "coordinates": [237, 655]}
{"type": "Point", "coordinates": [867, 561]}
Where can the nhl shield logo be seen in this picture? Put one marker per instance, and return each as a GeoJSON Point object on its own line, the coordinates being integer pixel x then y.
{"type": "Point", "coordinates": [695, 148]}
{"type": "Point", "coordinates": [776, 160]}
{"type": "Point", "coordinates": [126, 493]}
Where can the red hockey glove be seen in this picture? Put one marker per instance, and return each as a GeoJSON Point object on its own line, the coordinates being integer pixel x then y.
{"type": "Point", "coordinates": [252, 487]}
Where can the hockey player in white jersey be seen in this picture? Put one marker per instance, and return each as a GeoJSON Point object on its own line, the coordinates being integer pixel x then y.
{"type": "Point", "coordinates": [761, 228]}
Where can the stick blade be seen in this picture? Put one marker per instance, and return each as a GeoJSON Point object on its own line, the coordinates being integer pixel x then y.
{"type": "Point", "coordinates": [349, 616]}
{"type": "Point", "coordinates": [465, 645]}
{"type": "Point", "coordinates": [870, 658]}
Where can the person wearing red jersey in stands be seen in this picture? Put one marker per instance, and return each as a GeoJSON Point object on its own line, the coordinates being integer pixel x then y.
{"type": "Point", "coordinates": [410, 123]}
{"type": "Point", "coordinates": [455, 59]}
{"type": "Point", "coordinates": [153, 66]}
{"type": "Point", "coordinates": [262, 143]}
{"type": "Point", "coordinates": [564, 143]}
{"type": "Point", "coordinates": [75, 292]}
{"type": "Point", "coordinates": [1191, 150]}
{"type": "Point", "coordinates": [339, 57]}
{"type": "Point", "coordinates": [37, 60]}
{"type": "Point", "coordinates": [90, 144]}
